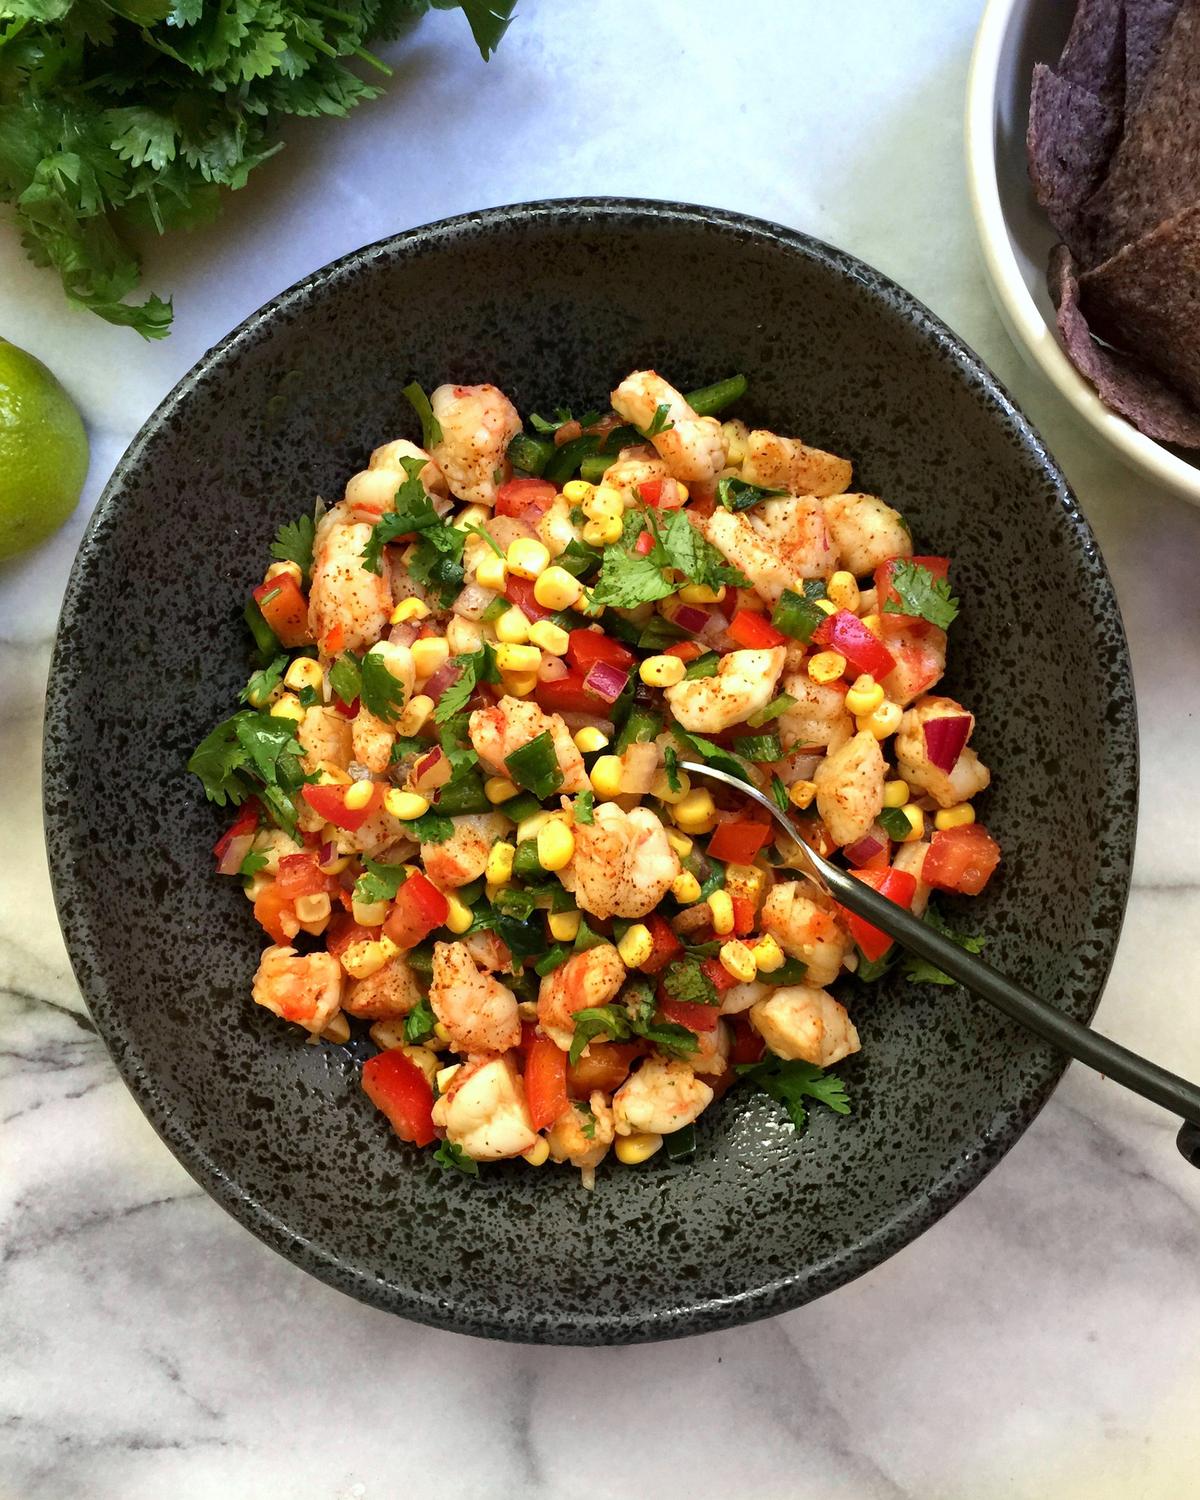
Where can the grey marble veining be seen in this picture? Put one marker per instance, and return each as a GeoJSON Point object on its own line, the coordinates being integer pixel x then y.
{"type": "Point", "coordinates": [1042, 1339]}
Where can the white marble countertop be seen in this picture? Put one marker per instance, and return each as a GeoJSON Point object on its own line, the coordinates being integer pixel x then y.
{"type": "Point", "coordinates": [1044, 1338]}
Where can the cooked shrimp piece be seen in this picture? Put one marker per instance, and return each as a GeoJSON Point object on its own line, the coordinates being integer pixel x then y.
{"type": "Point", "coordinates": [920, 652]}
{"type": "Point", "coordinates": [819, 716]}
{"type": "Point", "coordinates": [623, 865]}
{"type": "Point", "coordinates": [372, 739]}
{"type": "Point", "coordinates": [343, 593]}
{"type": "Point", "coordinates": [380, 831]}
{"type": "Point", "coordinates": [496, 732]}
{"type": "Point", "coordinates": [849, 784]}
{"type": "Point", "coordinates": [555, 528]}
{"type": "Point", "coordinates": [742, 996]}
{"type": "Point", "coordinates": [488, 951]}
{"type": "Point", "coordinates": [478, 422]}
{"type": "Point", "coordinates": [372, 490]}
{"type": "Point", "coordinates": [463, 856]}
{"type": "Point", "coordinates": [774, 544]}
{"type": "Point", "coordinates": [806, 930]}
{"type": "Point", "coordinates": [325, 735]}
{"type": "Point", "coordinates": [967, 777]}
{"type": "Point", "coordinates": [779, 463]}
{"type": "Point", "coordinates": [911, 858]}
{"type": "Point", "coordinates": [589, 978]}
{"type": "Point", "coordinates": [477, 1010]}
{"type": "Point", "coordinates": [390, 991]}
{"type": "Point", "coordinates": [693, 447]}
{"type": "Point", "coordinates": [484, 1110]}
{"type": "Point", "coordinates": [633, 468]}
{"type": "Point", "coordinates": [805, 1023]}
{"type": "Point", "coordinates": [865, 532]}
{"type": "Point", "coordinates": [712, 1050]}
{"type": "Point", "coordinates": [743, 683]}
{"type": "Point", "coordinates": [306, 989]}
{"type": "Point", "coordinates": [583, 1133]}
{"type": "Point", "coordinates": [663, 1095]}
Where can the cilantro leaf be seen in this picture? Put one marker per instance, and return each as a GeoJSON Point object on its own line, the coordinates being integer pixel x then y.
{"type": "Point", "coordinates": [792, 1082]}
{"type": "Point", "coordinates": [659, 422]}
{"type": "Point", "coordinates": [254, 861]}
{"type": "Point", "coordinates": [251, 753]}
{"type": "Point", "coordinates": [628, 578]}
{"type": "Point", "coordinates": [920, 970]}
{"type": "Point", "coordinates": [453, 1158]}
{"type": "Point", "coordinates": [431, 828]}
{"type": "Point", "coordinates": [262, 684]}
{"type": "Point", "coordinates": [412, 511]}
{"type": "Point", "coordinates": [709, 750]}
{"type": "Point", "coordinates": [779, 795]}
{"type": "Point", "coordinates": [921, 594]}
{"type": "Point", "coordinates": [419, 1023]}
{"type": "Point", "coordinates": [475, 667]}
{"type": "Point", "coordinates": [382, 694]}
{"type": "Point", "coordinates": [431, 428]}
{"type": "Point", "coordinates": [585, 802]}
{"type": "Point", "coordinates": [587, 1126]}
{"type": "Point", "coordinates": [294, 543]}
{"type": "Point", "coordinates": [378, 882]}
{"type": "Point", "coordinates": [671, 766]}
{"type": "Point", "coordinates": [684, 979]}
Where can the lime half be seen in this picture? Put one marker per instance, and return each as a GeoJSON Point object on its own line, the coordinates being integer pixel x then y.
{"type": "Point", "coordinates": [43, 452]}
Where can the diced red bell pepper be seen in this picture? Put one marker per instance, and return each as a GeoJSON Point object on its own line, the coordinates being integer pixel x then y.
{"type": "Point", "coordinates": [343, 932]}
{"type": "Point", "coordinates": [604, 1066]}
{"type": "Point", "coordinates": [666, 945]}
{"type": "Point", "coordinates": [898, 886]}
{"type": "Point", "coordinates": [567, 695]}
{"type": "Point", "coordinates": [419, 907]}
{"type": "Point", "coordinates": [849, 637]}
{"type": "Point", "coordinates": [755, 631]}
{"type": "Point", "coordinates": [650, 491]}
{"type": "Point", "coordinates": [519, 591]}
{"type": "Point", "coordinates": [644, 544]}
{"type": "Point", "coordinates": [394, 1084]}
{"type": "Point", "coordinates": [285, 609]}
{"type": "Point", "coordinates": [719, 976]}
{"type": "Point", "coordinates": [335, 639]}
{"type": "Point", "coordinates": [685, 650]}
{"type": "Point", "coordinates": [961, 859]}
{"type": "Point", "coordinates": [662, 494]}
{"type": "Point", "coordinates": [245, 822]}
{"type": "Point", "coordinates": [586, 647]}
{"type": "Point", "coordinates": [738, 841]}
{"type": "Point", "coordinates": [545, 1082]}
{"type": "Point", "coordinates": [937, 566]}
{"type": "Point", "coordinates": [330, 802]}
{"type": "Point", "coordinates": [517, 496]}
{"type": "Point", "coordinates": [270, 908]}
{"type": "Point", "coordinates": [298, 875]}
{"type": "Point", "coordinates": [744, 912]}
{"type": "Point", "coordinates": [694, 1017]}
{"type": "Point", "coordinates": [747, 1046]}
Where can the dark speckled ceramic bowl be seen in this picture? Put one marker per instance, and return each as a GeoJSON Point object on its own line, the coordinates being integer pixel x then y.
{"type": "Point", "coordinates": [554, 302]}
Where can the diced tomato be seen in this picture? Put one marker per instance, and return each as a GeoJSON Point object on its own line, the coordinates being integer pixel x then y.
{"type": "Point", "coordinates": [516, 496]}
{"type": "Point", "coordinates": [685, 650]}
{"type": "Point", "coordinates": [586, 647]}
{"type": "Point", "coordinates": [419, 907]}
{"type": "Point", "coordinates": [898, 886]}
{"type": "Point", "coordinates": [545, 1082]}
{"type": "Point", "coordinates": [335, 639]}
{"type": "Point", "coordinates": [519, 591]}
{"type": "Point", "coordinates": [270, 908]}
{"type": "Point", "coordinates": [702, 499]}
{"type": "Point", "coordinates": [718, 975]}
{"type": "Point", "coordinates": [666, 944]}
{"type": "Point", "coordinates": [747, 1046]}
{"type": "Point", "coordinates": [343, 932]}
{"type": "Point", "coordinates": [663, 494]}
{"type": "Point", "coordinates": [347, 710]}
{"type": "Point", "coordinates": [330, 802]}
{"type": "Point", "coordinates": [644, 544]}
{"type": "Point", "coordinates": [937, 566]}
{"type": "Point", "coordinates": [285, 609]}
{"type": "Point", "coordinates": [738, 841]}
{"type": "Point", "coordinates": [650, 491]}
{"type": "Point", "coordinates": [604, 1066]}
{"type": "Point", "coordinates": [743, 915]}
{"type": "Point", "coordinates": [569, 696]}
{"type": "Point", "coordinates": [961, 859]}
{"type": "Point", "coordinates": [754, 631]}
{"type": "Point", "coordinates": [245, 822]}
{"type": "Point", "coordinates": [846, 634]}
{"type": "Point", "coordinates": [298, 875]}
{"type": "Point", "coordinates": [394, 1084]}
{"type": "Point", "coordinates": [694, 1017]}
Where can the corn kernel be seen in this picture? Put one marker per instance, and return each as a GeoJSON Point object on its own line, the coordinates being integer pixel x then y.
{"type": "Point", "coordinates": [576, 491]}
{"type": "Point", "coordinates": [605, 776]}
{"type": "Point", "coordinates": [661, 788]}
{"type": "Point", "coordinates": [429, 654]}
{"type": "Point", "coordinates": [500, 864]}
{"type": "Point", "coordinates": [359, 795]}
{"type": "Point", "coordinates": [564, 926]}
{"type": "Point", "coordinates": [696, 813]}
{"type": "Point", "coordinates": [842, 589]}
{"type": "Point", "coordinates": [636, 946]}
{"type": "Point", "coordinates": [680, 842]}
{"type": "Point", "coordinates": [416, 715]}
{"type": "Point", "coordinates": [685, 888]}
{"type": "Point", "coordinates": [472, 515]}
{"type": "Point", "coordinates": [768, 955]}
{"type": "Point", "coordinates": [605, 504]}
{"type": "Point", "coordinates": [884, 721]}
{"type": "Point", "coordinates": [633, 1150]}
{"type": "Point", "coordinates": [361, 960]}
{"type": "Point", "coordinates": [422, 1056]}
{"type": "Point", "coordinates": [520, 684]}
{"type": "Point", "coordinates": [720, 904]}
{"type": "Point", "coordinates": [491, 572]}
{"type": "Point", "coordinates": [589, 739]}
{"type": "Point", "coordinates": [602, 533]}
{"type": "Point", "coordinates": [747, 881]}
{"type": "Point", "coordinates": [954, 817]}
{"type": "Point", "coordinates": [330, 775]}
{"type": "Point", "coordinates": [826, 666]}
{"type": "Point", "coordinates": [735, 434]}
{"type": "Point", "coordinates": [313, 908]}
{"type": "Point", "coordinates": [662, 671]}
{"type": "Point", "coordinates": [865, 696]}
{"type": "Point", "coordinates": [539, 1153]}
{"type": "Point", "coordinates": [681, 490]}
{"type": "Point", "coordinates": [511, 658]}
{"type": "Point", "coordinates": [916, 823]}
{"type": "Point", "coordinates": [304, 672]}
{"type": "Point", "coordinates": [527, 557]}
{"type": "Point", "coordinates": [801, 793]}
{"type": "Point", "coordinates": [458, 914]}
{"type": "Point", "coordinates": [410, 609]}
{"type": "Point", "coordinates": [405, 805]}
{"type": "Point", "coordinates": [530, 827]}
{"type": "Point", "coordinates": [872, 624]}
{"type": "Point", "coordinates": [512, 627]}
{"type": "Point", "coordinates": [498, 789]}
{"type": "Point", "coordinates": [464, 637]}
{"type": "Point", "coordinates": [288, 706]}
{"type": "Point", "coordinates": [388, 1035]}
{"type": "Point", "coordinates": [284, 570]}
{"type": "Point", "coordinates": [700, 593]}
{"type": "Point", "coordinates": [826, 606]}
{"type": "Point", "coordinates": [369, 913]}
{"type": "Point", "coordinates": [738, 960]}
{"type": "Point", "coordinates": [555, 845]}
{"type": "Point", "coordinates": [895, 793]}
{"type": "Point", "coordinates": [556, 588]}
{"type": "Point", "coordinates": [444, 1076]}
{"type": "Point", "coordinates": [552, 638]}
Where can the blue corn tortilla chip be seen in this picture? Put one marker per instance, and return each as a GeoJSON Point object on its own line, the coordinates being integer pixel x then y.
{"type": "Point", "coordinates": [1123, 384]}
{"type": "Point", "coordinates": [1146, 25]}
{"type": "Point", "coordinates": [1094, 54]}
{"type": "Point", "coordinates": [1145, 300]}
{"type": "Point", "coordinates": [1072, 133]}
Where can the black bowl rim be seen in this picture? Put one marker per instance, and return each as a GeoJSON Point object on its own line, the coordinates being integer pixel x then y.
{"type": "Point", "coordinates": [681, 1320]}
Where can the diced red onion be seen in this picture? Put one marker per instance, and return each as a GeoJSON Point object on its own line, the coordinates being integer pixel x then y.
{"type": "Point", "coordinates": [358, 772]}
{"type": "Point", "coordinates": [403, 635]}
{"type": "Point", "coordinates": [326, 855]}
{"type": "Point", "coordinates": [235, 851]}
{"type": "Point", "coordinates": [864, 850]}
{"type": "Point", "coordinates": [606, 681]}
{"type": "Point", "coordinates": [447, 673]}
{"type": "Point", "coordinates": [430, 772]}
{"type": "Point", "coordinates": [691, 617]}
{"type": "Point", "coordinates": [472, 603]}
{"type": "Point", "coordinates": [575, 722]}
{"type": "Point", "coordinates": [505, 529]}
{"type": "Point", "coordinates": [552, 669]}
{"type": "Point", "coordinates": [945, 738]}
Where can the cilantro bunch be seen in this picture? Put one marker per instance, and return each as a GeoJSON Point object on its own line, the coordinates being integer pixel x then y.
{"type": "Point", "coordinates": [118, 116]}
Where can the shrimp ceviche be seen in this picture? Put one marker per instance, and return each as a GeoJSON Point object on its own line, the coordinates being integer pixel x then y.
{"type": "Point", "coordinates": [464, 822]}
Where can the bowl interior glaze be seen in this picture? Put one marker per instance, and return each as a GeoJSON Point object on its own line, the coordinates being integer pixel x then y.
{"type": "Point", "coordinates": [555, 302]}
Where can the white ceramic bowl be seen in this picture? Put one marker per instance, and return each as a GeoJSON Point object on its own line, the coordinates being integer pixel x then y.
{"type": "Point", "coordinates": [1014, 233]}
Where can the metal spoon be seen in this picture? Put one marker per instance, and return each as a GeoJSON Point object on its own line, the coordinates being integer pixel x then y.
{"type": "Point", "coordinates": [1052, 1025]}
